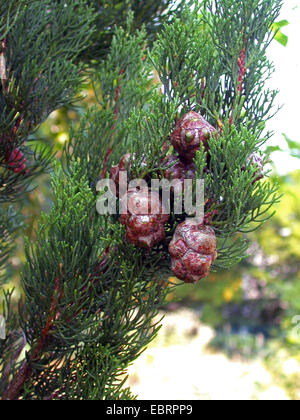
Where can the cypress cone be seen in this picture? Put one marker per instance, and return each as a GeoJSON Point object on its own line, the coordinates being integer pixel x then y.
{"type": "Point", "coordinates": [144, 217]}
{"type": "Point", "coordinates": [189, 133]}
{"type": "Point", "coordinates": [193, 249]}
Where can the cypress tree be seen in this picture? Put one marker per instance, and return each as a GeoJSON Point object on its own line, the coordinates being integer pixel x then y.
{"type": "Point", "coordinates": [91, 294]}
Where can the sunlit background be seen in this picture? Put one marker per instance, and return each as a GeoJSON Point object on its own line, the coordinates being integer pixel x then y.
{"type": "Point", "coordinates": [285, 79]}
{"type": "Point", "coordinates": [235, 335]}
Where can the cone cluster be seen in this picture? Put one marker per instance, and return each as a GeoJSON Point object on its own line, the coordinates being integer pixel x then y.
{"type": "Point", "coordinates": [193, 247]}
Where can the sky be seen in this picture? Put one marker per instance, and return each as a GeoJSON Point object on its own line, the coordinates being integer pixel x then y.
{"type": "Point", "coordinates": [286, 79]}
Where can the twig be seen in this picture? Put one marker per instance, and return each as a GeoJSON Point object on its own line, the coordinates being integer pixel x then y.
{"type": "Point", "coordinates": [26, 370]}
{"type": "Point", "coordinates": [242, 71]}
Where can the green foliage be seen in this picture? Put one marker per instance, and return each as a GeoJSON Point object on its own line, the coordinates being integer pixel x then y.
{"type": "Point", "coordinates": [239, 202]}
{"type": "Point", "coordinates": [12, 347]}
{"type": "Point", "coordinates": [148, 13]}
{"type": "Point", "coordinates": [79, 302]}
{"type": "Point", "coordinates": [82, 381]}
{"type": "Point", "coordinates": [40, 43]}
{"type": "Point", "coordinates": [9, 224]}
{"type": "Point", "coordinates": [148, 130]}
{"type": "Point", "coordinates": [177, 60]}
{"type": "Point", "coordinates": [190, 80]}
{"type": "Point", "coordinates": [40, 77]}
{"type": "Point", "coordinates": [279, 36]}
{"type": "Point", "coordinates": [235, 27]}
{"type": "Point", "coordinates": [9, 12]}
{"type": "Point", "coordinates": [182, 70]}
{"type": "Point", "coordinates": [293, 146]}
{"type": "Point", "coordinates": [122, 82]}
{"type": "Point", "coordinates": [221, 32]}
